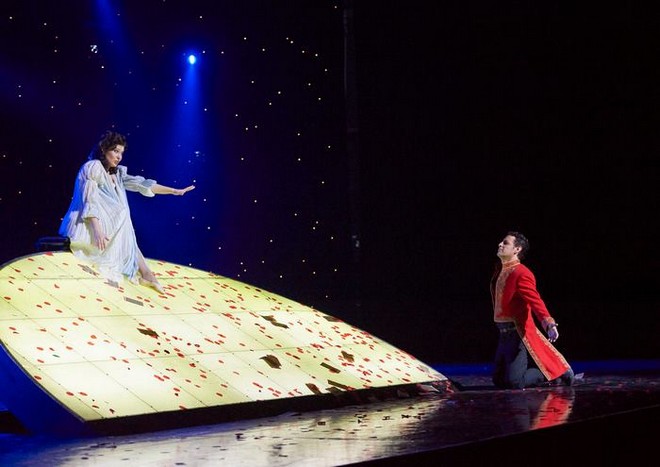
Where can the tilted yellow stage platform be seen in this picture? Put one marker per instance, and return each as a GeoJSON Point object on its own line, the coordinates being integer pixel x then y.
{"type": "Point", "coordinates": [81, 354]}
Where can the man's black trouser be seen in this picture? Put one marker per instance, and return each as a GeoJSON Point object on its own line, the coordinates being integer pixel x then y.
{"type": "Point", "coordinates": [514, 368]}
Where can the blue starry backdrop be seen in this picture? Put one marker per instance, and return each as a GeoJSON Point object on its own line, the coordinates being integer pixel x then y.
{"type": "Point", "coordinates": [381, 204]}
{"type": "Point", "coordinates": [244, 100]}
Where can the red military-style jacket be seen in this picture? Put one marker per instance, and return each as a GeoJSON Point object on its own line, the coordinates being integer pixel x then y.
{"type": "Point", "coordinates": [516, 300]}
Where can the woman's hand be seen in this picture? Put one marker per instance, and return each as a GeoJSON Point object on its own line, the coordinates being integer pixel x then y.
{"type": "Point", "coordinates": [99, 240]}
{"type": "Point", "coordinates": [182, 191]}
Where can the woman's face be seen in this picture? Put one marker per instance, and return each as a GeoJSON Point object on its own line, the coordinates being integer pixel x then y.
{"type": "Point", "coordinates": [113, 156]}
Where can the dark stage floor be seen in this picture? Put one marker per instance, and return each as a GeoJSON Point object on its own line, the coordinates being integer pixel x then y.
{"type": "Point", "coordinates": [610, 417]}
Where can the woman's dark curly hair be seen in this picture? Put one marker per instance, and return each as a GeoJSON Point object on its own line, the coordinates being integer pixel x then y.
{"type": "Point", "coordinates": [108, 141]}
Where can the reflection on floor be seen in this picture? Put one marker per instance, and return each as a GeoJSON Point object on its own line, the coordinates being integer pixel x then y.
{"type": "Point", "coordinates": [607, 419]}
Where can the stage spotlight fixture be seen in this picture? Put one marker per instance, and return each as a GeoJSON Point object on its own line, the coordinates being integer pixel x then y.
{"type": "Point", "coordinates": [192, 59]}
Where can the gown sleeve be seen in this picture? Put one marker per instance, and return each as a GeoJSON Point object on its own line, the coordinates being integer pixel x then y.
{"type": "Point", "coordinates": [90, 178]}
{"type": "Point", "coordinates": [136, 182]}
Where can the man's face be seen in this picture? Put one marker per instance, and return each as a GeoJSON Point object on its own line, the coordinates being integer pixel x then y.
{"type": "Point", "coordinates": [507, 248]}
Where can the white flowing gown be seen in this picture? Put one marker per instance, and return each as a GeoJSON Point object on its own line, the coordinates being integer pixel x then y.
{"type": "Point", "coordinates": [96, 195]}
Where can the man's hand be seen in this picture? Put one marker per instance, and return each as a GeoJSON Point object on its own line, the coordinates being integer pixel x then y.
{"type": "Point", "coordinates": [553, 334]}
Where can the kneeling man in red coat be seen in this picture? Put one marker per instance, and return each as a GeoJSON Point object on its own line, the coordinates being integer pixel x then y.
{"type": "Point", "coordinates": [516, 304]}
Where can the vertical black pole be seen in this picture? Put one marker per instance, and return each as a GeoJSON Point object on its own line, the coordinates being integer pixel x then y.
{"type": "Point", "coordinates": [352, 140]}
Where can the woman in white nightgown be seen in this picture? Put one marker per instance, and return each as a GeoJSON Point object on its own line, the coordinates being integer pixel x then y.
{"type": "Point", "coordinates": [98, 222]}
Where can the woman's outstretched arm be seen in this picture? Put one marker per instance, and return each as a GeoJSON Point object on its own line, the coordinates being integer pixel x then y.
{"type": "Point", "coordinates": [166, 190]}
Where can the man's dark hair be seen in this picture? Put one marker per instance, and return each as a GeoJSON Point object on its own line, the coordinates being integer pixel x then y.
{"type": "Point", "coordinates": [521, 242]}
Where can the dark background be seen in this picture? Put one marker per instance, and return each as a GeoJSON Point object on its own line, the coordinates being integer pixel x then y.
{"type": "Point", "coordinates": [479, 118]}
{"type": "Point", "coordinates": [474, 119]}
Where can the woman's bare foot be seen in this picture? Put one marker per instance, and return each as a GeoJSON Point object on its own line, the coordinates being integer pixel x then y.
{"type": "Point", "coordinates": [153, 283]}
